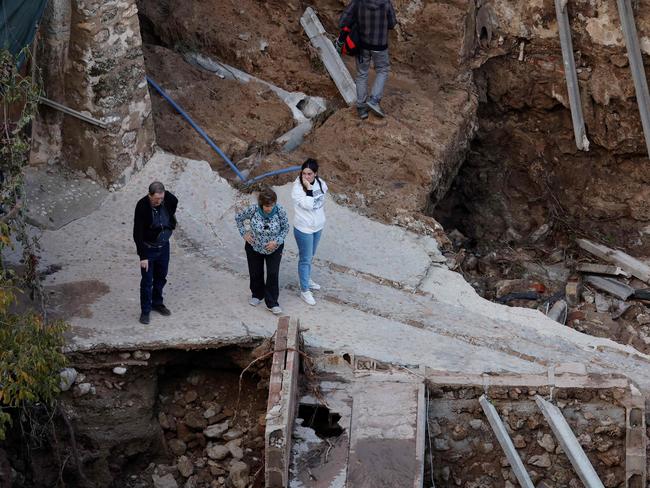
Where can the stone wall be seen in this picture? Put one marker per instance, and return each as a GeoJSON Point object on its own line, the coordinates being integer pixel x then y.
{"type": "Point", "coordinates": [104, 78]}
{"type": "Point", "coordinates": [466, 452]}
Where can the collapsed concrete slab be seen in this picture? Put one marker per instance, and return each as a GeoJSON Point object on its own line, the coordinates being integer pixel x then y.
{"type": "Point", "coordinates": [461, 448]}
{"type": "Point", "coordinates": [391, 300]}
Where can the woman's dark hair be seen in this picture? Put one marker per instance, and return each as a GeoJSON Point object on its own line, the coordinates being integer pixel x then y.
{"type": "Point", "coordinates": [267, 197]}
{"type": "Point", "coordinates": [312, 164]}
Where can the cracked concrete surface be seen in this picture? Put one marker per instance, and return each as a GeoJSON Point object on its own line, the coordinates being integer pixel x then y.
{"type": "Point", "coordinates": [385, 294]}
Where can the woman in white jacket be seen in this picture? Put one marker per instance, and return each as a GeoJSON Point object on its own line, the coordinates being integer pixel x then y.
{"type": "Point", "coordinates": [308, 195]}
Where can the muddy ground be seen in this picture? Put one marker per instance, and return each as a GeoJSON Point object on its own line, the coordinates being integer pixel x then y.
{"type": "Point", "coordinates": [386, 168]}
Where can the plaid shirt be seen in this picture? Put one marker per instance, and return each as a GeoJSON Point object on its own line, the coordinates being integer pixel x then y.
{"type": "Point", "coordinates": [374, 18]}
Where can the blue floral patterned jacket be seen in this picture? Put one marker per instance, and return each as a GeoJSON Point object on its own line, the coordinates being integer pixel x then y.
{"type": "Point", "coordinates": [263, 227]}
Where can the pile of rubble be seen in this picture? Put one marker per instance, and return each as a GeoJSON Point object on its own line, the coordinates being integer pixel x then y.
{"type": "Point", "coordinates": [603, 294]}
{"type": "Point", "coordinates": [589, 287]}
{"type": "Point", "coordinates": [211, 445]}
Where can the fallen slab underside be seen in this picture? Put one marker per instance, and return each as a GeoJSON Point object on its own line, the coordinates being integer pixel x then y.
{"type": "Point", "coordinates": [382, 416]}
{"type": "Point", "coordinates": [385, 294]}
{"type": "Point", "coordinates": [384, 447]}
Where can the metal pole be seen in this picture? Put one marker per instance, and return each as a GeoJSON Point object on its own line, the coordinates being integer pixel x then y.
{"type": "Point", "coordinates": [569, 443]}
{"type": "Point", "coordinates": [74, 113]}
{"type": "Point", "coordinates": [636, 65]}
{"type": "Point", "coordinates": [573, 88]}
{"type": "Point", "coordinates": [197, 128]}
{"type": "Point", "coordinates": [506, 444]}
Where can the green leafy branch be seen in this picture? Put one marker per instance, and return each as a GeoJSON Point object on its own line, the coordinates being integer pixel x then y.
{"type": "Point", "coordinates": [30, 346]}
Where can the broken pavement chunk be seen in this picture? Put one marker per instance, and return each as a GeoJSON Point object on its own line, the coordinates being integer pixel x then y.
{"type": "Point", "coordinates": [559, 312]}
{"type": "Point", "coordinates": [626, 262]}
{"type": "Point", "coordinates": [573, 291]}
{"type": "Point", "coordinates": [611, 286]}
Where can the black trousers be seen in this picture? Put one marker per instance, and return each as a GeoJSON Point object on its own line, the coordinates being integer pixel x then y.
{"type": "Point", "coordinates": [269, 290]}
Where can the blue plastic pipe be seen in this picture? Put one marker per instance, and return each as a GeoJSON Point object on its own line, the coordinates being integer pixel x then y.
{"type": "Point", "coordinates": [202, 133]}
{"type": "Point", "coordinates": [272, 173]}
{"type": "Point", "coordinates": [196, 128]}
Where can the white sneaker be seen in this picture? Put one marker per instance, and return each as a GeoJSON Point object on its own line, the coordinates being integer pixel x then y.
{"type": "Point", "coordinates": [275, 310]}
{"type": "Point", "coordinates": [313, 286]}
{"type": "Point", "coordinates": [308, 297]}
{"type": "Point", "coordinates": [254, 301]}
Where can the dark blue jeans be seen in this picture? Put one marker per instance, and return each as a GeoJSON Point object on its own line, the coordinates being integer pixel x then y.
{"type": "Point", "coordinates": [154, 279]}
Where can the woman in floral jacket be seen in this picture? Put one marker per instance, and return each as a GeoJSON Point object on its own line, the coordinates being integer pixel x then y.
{"type": "Point", "coordinates": [264, 227]}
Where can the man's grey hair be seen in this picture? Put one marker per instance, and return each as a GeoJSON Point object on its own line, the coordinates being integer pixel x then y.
{"type": "Point", "coordinates": [156, 187]}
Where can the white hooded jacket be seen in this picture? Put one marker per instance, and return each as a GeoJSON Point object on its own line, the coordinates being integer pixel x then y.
{"type": "Point", "coordinates": [309, 212]}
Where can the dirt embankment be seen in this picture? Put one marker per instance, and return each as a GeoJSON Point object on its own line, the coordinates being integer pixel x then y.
{"type": "Point", "coordinates": [241, 119]}
{"type": "Point", "coordinates": [526, 192]}
{"type": "Point", "coordinates": [391, 169]}
{"type": "Point", "coordinates": [523, 169]}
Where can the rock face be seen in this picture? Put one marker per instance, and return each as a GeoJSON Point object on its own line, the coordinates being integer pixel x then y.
{"type": "Point", "coordinates": [526, 131]}
{"type": "Point", "coordinates": [547, 442]}
{"type": "Point", "coordinates": [195, 421]}
{"type": "Point", "coordinates": [68, 377]}
{"type": "Point", "coordinates": [217, 452]}
{"type": "Point", "coordinates": [391, 168]}
{"type": "Point", "coordinates": [541, 460]}
{"type": "Point", "coordinates": [232, 434]}
{"type": "Point", "coordinates": [177, 447]}
{"type": "Point", "coordinates": [185, 466]}
{"type": "Point", "coordinates": [216, 431]}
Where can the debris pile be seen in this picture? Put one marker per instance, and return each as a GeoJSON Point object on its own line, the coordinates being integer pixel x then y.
{"type": "Point", "coordinates": [210, 443]}
{"type": "Point", "coordinates": [589, 287]}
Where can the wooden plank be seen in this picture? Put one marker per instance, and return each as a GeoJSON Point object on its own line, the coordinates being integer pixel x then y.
{"type": "Point", "coordinates": [331, 59]}
{"type": "Point", "coordinates": [626, 262]}
{"type": "Point", "coordinates": [281, 405]}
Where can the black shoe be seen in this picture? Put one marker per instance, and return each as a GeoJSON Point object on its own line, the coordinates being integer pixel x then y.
{"type": "Point", "coordinates": [363, 112]}
{"type": "Point", "coordinates": [162, 310]}
{"type": "Point", "coordinates": [144, 318]}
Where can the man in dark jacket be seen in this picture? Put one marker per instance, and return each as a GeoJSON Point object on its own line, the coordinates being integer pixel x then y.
{"type": "Point", "coordinates": [373, 19]}
{"type": "Point", "coordinates": [153, 225]}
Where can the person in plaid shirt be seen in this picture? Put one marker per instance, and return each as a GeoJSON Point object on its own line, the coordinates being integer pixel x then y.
{"type": "Point", "coordinates": [373, 19]}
